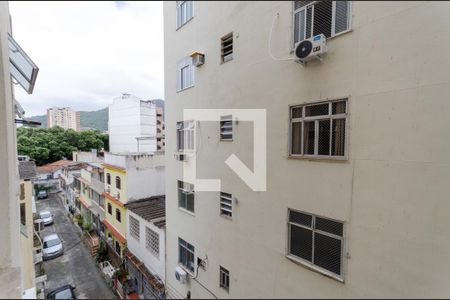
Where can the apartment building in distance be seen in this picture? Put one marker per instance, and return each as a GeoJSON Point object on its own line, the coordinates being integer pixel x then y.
{"type": "Point", "coordinates": [64, 117]}
{"type": "Point", "coordinates": [160, 129]}
{"type": "Point", "coordinates": [358, 154]}
{"type": "Point", "coordinates": [132, 125]}
{"type": "Point", "coordinates": [14, 64]}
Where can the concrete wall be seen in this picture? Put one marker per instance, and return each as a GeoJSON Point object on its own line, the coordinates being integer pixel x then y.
{"type": "Point", "coordinates": [26, 238]}
{"type": "Point", "coordinates": [129, 118]}
{"type": "Point", "coordinates": [391, 192]}
{"type": "Point", "coordinates": [155, 264]}
{"type": "Point", "coordinates": [9, 214]}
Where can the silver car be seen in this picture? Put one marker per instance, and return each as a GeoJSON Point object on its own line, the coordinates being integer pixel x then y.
{"type": "Point", "coordinates": [46, 216]}
{"type": "Point", "coordinates": [52, 246]}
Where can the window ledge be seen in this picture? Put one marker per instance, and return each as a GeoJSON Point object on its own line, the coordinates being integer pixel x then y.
{"type": "Point", "coordinates": [191, 273]}
{"type": "Point", "coordinates": [226, 217]}
{"type": "Point", "coordinates": [226, 140]}
{"type": "Point", "coordinates": [186, 88]}
{"type": "Point", "coordinates": [182, 25]}
{"type": "Point", "coordinates": [314, 268]}
{"type": "Point", "coordinates": [319, 158]}
{"type": "Point", "coordinates": [186, 211]}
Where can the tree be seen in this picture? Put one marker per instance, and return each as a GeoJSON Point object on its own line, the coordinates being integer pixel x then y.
{"type": "Point", "coordinates": [46, 145]}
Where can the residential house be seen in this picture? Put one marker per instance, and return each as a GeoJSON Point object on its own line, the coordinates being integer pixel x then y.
{"type": "Point", "coordinates": [145, 255]}
{"type": "Point", "coordinates": [127, 178]}
{"type": "Point", "coordinates": [357, 150]}
{"type": "Point", "coordinates": [49, 174]}
{"type": "Point", "coordinates": [68, 183]}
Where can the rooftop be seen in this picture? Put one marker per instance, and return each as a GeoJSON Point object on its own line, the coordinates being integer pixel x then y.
{"type": "Point", "coordinates": [51, 167]}
{"type": "Point", "coordinates": [27, 169]}
{"type": "Point", "coordinates": [151, 209]}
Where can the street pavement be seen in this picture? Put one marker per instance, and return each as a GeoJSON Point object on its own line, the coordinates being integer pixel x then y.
{"type": "Point", "coordinates": [76, 266]}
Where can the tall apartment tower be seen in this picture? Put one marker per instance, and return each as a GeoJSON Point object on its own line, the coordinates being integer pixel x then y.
{"type": "Point", "coordinates": [64, 117]}
{"type": "Point", "coordinates": [132, 125]}
{"type": "Point", "coordinates": [357, 191]}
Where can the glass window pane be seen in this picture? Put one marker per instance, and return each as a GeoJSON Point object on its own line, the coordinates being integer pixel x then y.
{"type": "Point", "coordinates": [322, 17]}
{"type": "Point", "coordinates": [338, 136]}
{"type": "Point", "coordinates": [309, 137]}
{"type": "Point", "coordinates": [324, 137]}
{"type": "Point", "coordinates": [300, 218]}
{"type": "Point", "coordinates": [339, 107]}
{"type": "Point", "coordinates": [308, 22]}
{"type": "Point", "coordinates": [317, 110]}
{"type": "Point", "coordinates": [301, 242]}
{"type": "Point", "coordinates": [190, 202]}
{"type": "Point", "coordinates": [296, 112]}
{"type": "Point", "coordinates": [341, 18]}
{"type": "Point", "coordinates": [296, 138]}
{"type": "Point", "coordinates": [327, 253]}
{"type": "Point", "coordinates": [329, 226]}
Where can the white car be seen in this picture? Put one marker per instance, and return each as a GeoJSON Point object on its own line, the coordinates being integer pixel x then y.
{"type": "Point", "coordinates": [46, 216]}
{"type": "Point", "coordinates": [52, 246]}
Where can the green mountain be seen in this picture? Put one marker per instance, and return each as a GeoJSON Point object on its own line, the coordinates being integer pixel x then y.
{"type": "Point", "coordinates": [88, 119]}
{"type": "Point", "coordinates": [97, 119]}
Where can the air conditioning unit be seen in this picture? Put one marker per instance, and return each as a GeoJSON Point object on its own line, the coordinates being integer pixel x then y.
{"type": "Point", "coordinates": [38, 225]}
{"type": "Point", "coordinates": [180, 157]}
{"type": "Point", "coordinates": [313, 48]}
{"type": "Point", "coordinates": [198, 59]}
{"type": "Point", "coordinates": [180, 275]}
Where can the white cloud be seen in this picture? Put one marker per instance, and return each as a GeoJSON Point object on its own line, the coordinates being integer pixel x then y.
{"type": "Point", "coordinates": [89, 52]}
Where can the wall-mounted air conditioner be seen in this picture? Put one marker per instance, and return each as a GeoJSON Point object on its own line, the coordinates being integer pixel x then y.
{"type": "Point", "coordinates": [313, 48]}
{"type": "Point", "coordinates": [180, 156]}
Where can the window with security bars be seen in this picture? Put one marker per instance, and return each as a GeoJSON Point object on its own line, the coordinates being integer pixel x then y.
{"type": "Point", "coordinates": [224, 280]}
{"type": "Point", "coordinates": [315, 17]}
{"type": "Point", "coordinates": [134, 228]}
{"type": "Point", "coordinates": [185, 136]}
{"type": "Point", "coordinates": [186, 196]}
{"type": "Point", "coordinates": [226, 43]}
{"type": "Point", "coordinates": [185, 74]}
{"type": "Point", "coordinates": [226, 128]}
{"type": "Point", "coordinates": [226, 204]}
{"type": "Point", "coordinates": [316, 241]}
{"type": "Point", "coordinates": [318, 130]}
{"type": "Point", "coordinates": [185, 12]}
{"type": "Point", "coordinates": [186, 254]}
{"type": "Point", "coordinates": [152, 241]}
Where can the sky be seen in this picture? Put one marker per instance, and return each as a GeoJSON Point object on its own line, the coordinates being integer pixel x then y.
{"type": "Point", "coordinates": [90, 52]}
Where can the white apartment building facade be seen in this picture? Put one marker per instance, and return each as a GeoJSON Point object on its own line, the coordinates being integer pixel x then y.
{"type": "Point", "coordinates": [132, 125]}
{"type": "Point", "coordinates": [357, 150]}
{"type": "Point", "coordinates": [64, 117]}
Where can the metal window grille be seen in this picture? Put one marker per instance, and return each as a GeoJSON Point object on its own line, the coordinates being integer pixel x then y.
{"type": "Point", "coordinates": [108, 178]}
{"type": "Point", "coordinates": [185, 135]}
{"type": "Point", "coordinates": [316, 17]}
{"type": "Point", "coordinates": [319, 130]}
{"type": "Point", "coordinates": [109, 209]}
{"type": "Point", "coordinates": [224, 276]}
{"type": "Point", "coordinates": [118, 182]}
{"type": "Point", "coordinates": [134, 228]}
{"type": "Point", "coordinates": [185, 12]}
{"type": "Point", "coordinates": [152, 241]}
{"type": "Point", "coordinates": [226, 128]}
{"type": "Point", "coordinates": [226, 204]}
{"type": "Point", "coordinates": [185, 74]}
{"type": "Point", "coordinates": [186, 254]}
{"type": "Point", "coordinates": [226, 43]}
{"type": "Point", "coordinates": [186, 196]}
{"type": "Point", "coordinates": [317, 241]}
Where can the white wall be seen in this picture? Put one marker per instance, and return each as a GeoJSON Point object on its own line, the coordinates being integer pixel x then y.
{"type": "Point", "coordinates": [154, 264]}
{"type": "Point", "coordinates": [391, 193]}
{"type": "Point", "coordinates": [129, 118]}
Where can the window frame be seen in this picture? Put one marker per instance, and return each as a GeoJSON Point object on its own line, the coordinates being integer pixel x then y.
{"type": "Point", "coordinates": [315, 119]}
{"type": "Point", "coordinates": [185, 193]}
{"type": "Point", "coordinates": [187, 130]}
{"type": "Point", "coordinates": [178, 4]}
{"type": "Point", "coordinates": [223, 285]}
{"type": "Point", "coordinates": [118, 182]}
{"type": "Point", "coordinates": [333, 19]}
{"type": "Point", "coordinates": [221, 202]}
{"type": "Point", "coordinates": [230, 56]}
{"type": "Point", "coordinates": [223, 120]}
{"type": "Point", "coordinates": [108, 178]}
{"type": "Point", "coordinates": [309, 264]}
{"type": "Point", "coordinates": [186, 247]}
{"type": "Point", "coordinates": [118, 213]}
{"type": "Point", "coordinates": [183, 63]}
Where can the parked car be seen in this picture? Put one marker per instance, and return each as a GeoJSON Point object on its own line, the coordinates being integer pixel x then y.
{"type": "Point", "coordinates": [52, 246]}
{"type": "Point", "coordinates": [63, 292]}
{"type": "Point", "coordinates": [46, 216]}
{"type": "Point", "coordinates": [42, 194]}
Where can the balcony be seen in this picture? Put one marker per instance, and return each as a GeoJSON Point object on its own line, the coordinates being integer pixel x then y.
{"type": "Point", "coordinates": [97, 185]}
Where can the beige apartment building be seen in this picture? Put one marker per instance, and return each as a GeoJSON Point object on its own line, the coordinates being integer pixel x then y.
{"type": "Point", "coordinates": [358, 152]}
{"type": "Point", "coordinates": [64, 117]}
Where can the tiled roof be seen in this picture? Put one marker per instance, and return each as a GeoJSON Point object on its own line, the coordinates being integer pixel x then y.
{"type": "Point", "coordinates": [27, 169]}
{"type": "Point", "coordinates": [152, 209]}
{"type": "Point", "coordinates": [52, 167]}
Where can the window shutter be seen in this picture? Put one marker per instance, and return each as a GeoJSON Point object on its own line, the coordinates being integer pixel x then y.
{"type": "Point", "coordinates": [341, 16]}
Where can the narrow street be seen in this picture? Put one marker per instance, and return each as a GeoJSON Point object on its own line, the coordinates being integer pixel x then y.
{"type": "Point", "coordinates": [76, 266]}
